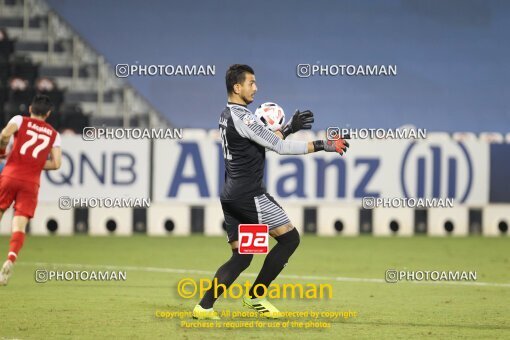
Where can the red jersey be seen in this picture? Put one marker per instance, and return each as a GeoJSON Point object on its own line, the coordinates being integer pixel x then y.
{"type": "Point", "coordinates": [32, 144]}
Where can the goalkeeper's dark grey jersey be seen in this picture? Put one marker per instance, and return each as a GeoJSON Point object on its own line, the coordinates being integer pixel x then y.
{"type": "Point", "coordinates": [244, 141]}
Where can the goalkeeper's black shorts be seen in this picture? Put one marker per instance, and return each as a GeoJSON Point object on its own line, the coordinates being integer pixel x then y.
{"type": "Point", "coordinates": [262, 209]}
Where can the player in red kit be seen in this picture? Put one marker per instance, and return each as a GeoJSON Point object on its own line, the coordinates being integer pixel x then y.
{"type": "Point", "coordinates": [36, 147]}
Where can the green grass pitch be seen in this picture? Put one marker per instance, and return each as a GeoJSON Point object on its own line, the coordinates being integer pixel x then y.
{"type": "Point", "coordinates": [77, 309]}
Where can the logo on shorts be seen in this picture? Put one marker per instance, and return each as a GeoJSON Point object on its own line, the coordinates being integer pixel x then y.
{"type": "Point", "coordinates": [253, 238]}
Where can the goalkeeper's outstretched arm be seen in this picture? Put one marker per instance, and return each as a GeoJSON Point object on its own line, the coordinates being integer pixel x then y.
{"type": "Point", "coordinates": [247, 127]}
{"type": "Point", "coordinates": [339, 146]}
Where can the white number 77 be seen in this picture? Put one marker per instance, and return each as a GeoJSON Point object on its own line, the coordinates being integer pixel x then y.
{"type": "Point", "coordinates": [34, 137]}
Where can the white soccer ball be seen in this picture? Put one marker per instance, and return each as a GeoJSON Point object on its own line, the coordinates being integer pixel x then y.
{"type": "Point", "coordinates": [271, 115]}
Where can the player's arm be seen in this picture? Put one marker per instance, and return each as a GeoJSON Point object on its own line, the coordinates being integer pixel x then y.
{"type": "Point", "coordinates": [6, 134]}
{"type": "Point", "coordinates": [55, 157]}
{"type": "Point", "coordinates": [339, 146]}
{"type": "Point", "coordinates": [246, 126]}
{"type": "Point", "coordinates": [54, 161]}
{"type": "Point", "coordinates": [302, 120]}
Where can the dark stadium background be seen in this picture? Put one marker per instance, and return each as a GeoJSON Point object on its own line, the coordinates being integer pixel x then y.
{"type": "Point", "coordinates": [452, 64]}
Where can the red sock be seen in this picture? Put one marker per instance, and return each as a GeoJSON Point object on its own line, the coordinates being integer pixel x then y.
{"type": "Point", "coordinates": [15, 245]}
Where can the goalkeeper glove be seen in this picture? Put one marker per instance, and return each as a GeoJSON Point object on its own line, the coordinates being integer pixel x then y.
{"type": "Point", "coordinates": [302, 120]}
{"type": "Point", "coordinates": [339, 145]}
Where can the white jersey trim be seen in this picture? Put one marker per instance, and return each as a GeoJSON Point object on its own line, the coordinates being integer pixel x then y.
{"type": "Point", "coordinates": [17, 120]}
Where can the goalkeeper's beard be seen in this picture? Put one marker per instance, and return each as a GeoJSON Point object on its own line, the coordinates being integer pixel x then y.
{"type": "Point", "coordinates": [246, 100]}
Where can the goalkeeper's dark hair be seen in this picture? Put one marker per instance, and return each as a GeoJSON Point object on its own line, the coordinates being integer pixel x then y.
{"type": "Point", "coordinates": [236, 74]}
{"type": "Point", "coordinates": [41, 104]}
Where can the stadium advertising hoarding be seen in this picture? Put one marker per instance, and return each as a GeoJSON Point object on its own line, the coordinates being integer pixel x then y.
{"type": "Point", "coordinates": [100, 168]}
{"type": "Point", "coordinates": [192, 170]}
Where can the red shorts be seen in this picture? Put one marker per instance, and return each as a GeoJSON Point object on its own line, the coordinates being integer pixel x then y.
{"type": "Point", "coordinates": [24, 194]}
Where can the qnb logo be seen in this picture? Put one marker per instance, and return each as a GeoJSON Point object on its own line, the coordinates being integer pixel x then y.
{"type": "Point", "coordinates": [253, 238]}
{"type": "Point", "coordinates": [438, 171]}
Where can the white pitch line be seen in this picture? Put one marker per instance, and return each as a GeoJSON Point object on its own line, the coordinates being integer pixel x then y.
{"type": "Point", "coordinates": [283, 276]}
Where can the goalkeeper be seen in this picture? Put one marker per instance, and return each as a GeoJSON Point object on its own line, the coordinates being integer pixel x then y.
{"type": "Point", "coordinates": [244, 199]}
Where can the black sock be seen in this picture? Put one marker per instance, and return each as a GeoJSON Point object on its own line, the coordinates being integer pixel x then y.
{"type": "Point", "coordinates": [275, 261]}
{"type": "Point", "coordinates": [226, 275]}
